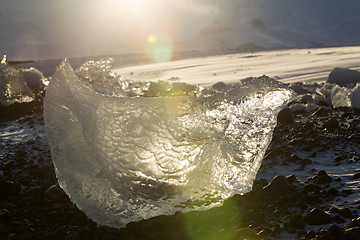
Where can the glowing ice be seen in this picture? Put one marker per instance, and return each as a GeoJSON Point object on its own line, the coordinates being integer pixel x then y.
{"type": "Point", "coordinates": [154, 149]}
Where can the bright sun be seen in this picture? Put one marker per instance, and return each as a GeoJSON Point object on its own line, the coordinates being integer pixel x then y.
{"type": "Point", "coordinates": [130, 4]}
{"type": "Point", "coordinates": [141, 20]}
{"type": "Point", "coordinates": [137, 2]}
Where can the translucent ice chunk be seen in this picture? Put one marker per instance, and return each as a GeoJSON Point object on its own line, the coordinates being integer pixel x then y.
{"type": "Point", "coordinates": [172, 147]}
{"type": "Point", "coordinates": [346, 97]}
{"type": "Point", "coordinates": [13, 87]}
{"type": "Point", "coordinates": [34, 79]}
{"type": "Point", "coordinates": [340, 96]}
{"type": "Point", "coordinates": [97, 75]}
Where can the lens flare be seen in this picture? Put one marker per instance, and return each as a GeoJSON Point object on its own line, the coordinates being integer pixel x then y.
{"type": "Point", "coordinates": [159, 47]}
{"type": "Point", "coordinates": [217, 223]}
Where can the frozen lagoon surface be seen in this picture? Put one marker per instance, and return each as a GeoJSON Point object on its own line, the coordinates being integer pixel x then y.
{"type": "Point", "coordinates": [148, 149]}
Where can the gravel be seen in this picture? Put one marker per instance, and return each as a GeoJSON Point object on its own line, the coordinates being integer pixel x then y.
{"type": "Point", "coordinates": [307, 187]}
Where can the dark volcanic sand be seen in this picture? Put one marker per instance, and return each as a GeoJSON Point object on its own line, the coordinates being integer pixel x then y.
{"type": "Point", "coordinates": [313, 160]}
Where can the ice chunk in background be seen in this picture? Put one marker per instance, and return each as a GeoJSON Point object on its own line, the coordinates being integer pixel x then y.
{"type": "Point", "coordinates": [18, 84]}
{"type": "Point", "coordinates": [13, 87]}
{"type": "Point", "coordinates": [340, 97]}
{"type": "Point", "coordinates": [155, 148]}
{"type": "Point", "coordinates": [34, 79]}
{"type": "Point", "coordinates": [343, 76]}
{"type": "Point", "coordinates": [346, 92]}
{"type": "Point", "coordinates": [97, 75]}
{"type": "Point", "coordinates": [355, 96]}
{"type": "Point", "coordinates": [346, 97]}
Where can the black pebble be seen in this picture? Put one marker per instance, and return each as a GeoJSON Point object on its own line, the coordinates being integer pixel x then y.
{"type": "Point", "coordinates": [331, 124]}
{"type": "Point", "coordinates": [324, 180]}
{"type": "Point", "coordinates": [317, 217]}
{"type": "Point", "coordinates": [333, 192]}
{"type": "Point", "coordinates": [8, 189]}
{"type": "Point", "coordinates": [321, 112]}
{"type": "Point", "coordinates": [356, 176]}
{"type": "Point", "coordinates": [297, 221]}
{"type": "Point", "coordinates": [346, 212]}
{"type": "Point", "coordinates": [311, 187]}
{"type": "Point", "coordinates": [285, 116]}
{"type": "Point", "coordinates": [219, 86]}
{"type": "Point", "coordinates": [336, 231]}
{"type": "Point", "coordinates": [277, 187]}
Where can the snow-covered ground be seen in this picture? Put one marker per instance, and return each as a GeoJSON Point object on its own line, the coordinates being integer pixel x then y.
{"type": "Point", "coordinates": [305, 65]}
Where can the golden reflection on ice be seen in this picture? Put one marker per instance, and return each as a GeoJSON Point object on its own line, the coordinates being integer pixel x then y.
{"type": "Point", "coordinates": [177, 106]}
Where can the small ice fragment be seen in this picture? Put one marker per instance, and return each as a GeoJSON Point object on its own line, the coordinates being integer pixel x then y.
{"type": "Point", "coordinates": [34, 78]}
{"type": "Point", "coordinates": [13, 87]}
{"type": "Point", "coordinates": [340, 97]}
{"type": "Point", "coordinates": [346, 97]}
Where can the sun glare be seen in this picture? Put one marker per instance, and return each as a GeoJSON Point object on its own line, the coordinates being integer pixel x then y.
{"type": "Point", "coordinates": [127, 3]}
{"type": "Point", "coordinates": [151, 38]}
{"type": "Point", "coordinates": [150, 25]}
{"type": "Point", "coordinates": [136, 2]}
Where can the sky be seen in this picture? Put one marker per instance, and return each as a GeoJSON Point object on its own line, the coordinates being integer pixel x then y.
{"type": "Point", "coordinates": [58, 28]}
{"type": "Point", "coordinates": [48, 29]}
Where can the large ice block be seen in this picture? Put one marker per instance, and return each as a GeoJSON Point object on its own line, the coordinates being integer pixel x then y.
{"type": "Point", "coordinates": [154, 149]}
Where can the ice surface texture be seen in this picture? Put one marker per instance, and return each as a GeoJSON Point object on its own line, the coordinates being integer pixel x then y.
{"type": "Point", "coordinates": [126, 158]}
